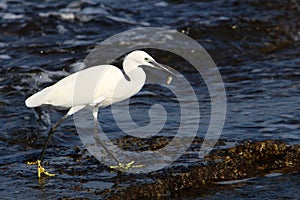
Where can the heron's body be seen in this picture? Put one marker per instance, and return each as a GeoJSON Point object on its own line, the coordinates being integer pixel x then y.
{"type": "Point", "coordinates": [97, 86]}
{"type": "Point", "coordinates": [112, 87]}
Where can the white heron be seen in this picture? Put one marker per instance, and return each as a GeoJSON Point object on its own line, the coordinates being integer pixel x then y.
{"type": "Point", "coordinates": [112, 86]}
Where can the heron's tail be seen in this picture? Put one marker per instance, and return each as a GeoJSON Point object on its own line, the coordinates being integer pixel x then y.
{"type": "Point", "coordinates": [38, 98]}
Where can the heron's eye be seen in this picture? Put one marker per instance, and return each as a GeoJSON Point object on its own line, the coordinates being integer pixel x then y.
{"type": "Point", "coordinates": [147, 59]}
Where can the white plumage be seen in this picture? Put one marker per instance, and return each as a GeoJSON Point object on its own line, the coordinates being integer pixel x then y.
{"type": "Point", "coordinates": [97, 86]}
{"type": "Point", "coordinates": [107, 83]}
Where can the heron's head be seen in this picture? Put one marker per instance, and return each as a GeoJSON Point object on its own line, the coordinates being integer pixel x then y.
{"type": "Point", "coordinates": [142, 59]}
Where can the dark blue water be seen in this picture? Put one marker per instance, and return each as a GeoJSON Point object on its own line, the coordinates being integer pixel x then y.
{"type": "Point", "coordinates": [255, 45]}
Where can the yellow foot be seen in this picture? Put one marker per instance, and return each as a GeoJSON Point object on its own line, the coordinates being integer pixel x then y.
{"type": "Point", "coordinates": [41, 169]}
{"type": "Point", "coordinates": [127, 166]}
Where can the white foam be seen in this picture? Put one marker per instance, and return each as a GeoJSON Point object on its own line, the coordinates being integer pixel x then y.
{"type": "Point", "coordinates": [5, 57]}
{"type": "Point", "coordinates": [3, 5]}
{"type": "Point", "coordinates": [93, 11]}
{"type": "Point", "coordinates": [161, 4]}
{"type": "Point", "coordinates": [12, 16]}
{"type": "Point", "coordinates": [75, 67]}
{"type": "Point", "coordinates": [64, 16]}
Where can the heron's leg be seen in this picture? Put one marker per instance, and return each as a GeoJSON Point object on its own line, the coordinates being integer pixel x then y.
{"type": "Point", "coordinates": [41, 169]}
{"type": "Point", "coordinates": [95, 116]}
{"type": "Point", "coordinates": [120, 165]}
{"type": "Point", "coordinates": [50, 134]}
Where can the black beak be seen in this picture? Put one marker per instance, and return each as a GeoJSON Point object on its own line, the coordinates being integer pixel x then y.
{"type": "Point", "coordinates": [161, 78]}
{"type": "Point", "coordinates": [162, 68]}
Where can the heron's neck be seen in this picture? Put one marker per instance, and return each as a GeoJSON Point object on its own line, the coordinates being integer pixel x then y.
{"type": "Point", "coordinates": [131, 83]}
{"type": "Point", "coordinates": [133, 73]}
{"type": "Point", "coordinates": [135, 77]}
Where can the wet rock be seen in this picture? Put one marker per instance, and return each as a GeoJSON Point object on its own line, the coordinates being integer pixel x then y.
{"type": "Point", "coordinates": [243, 161]}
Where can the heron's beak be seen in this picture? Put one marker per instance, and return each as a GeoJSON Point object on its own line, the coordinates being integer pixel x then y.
{"type": "Point", "coordinates": [167, 74]}
{"type": "Point", "coordinates": [158, 66]}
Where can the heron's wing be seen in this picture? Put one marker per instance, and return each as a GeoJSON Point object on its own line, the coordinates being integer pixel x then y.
{"type": "Point", "coordinates": [38, 98]}
{"type": "Point", "coordinates": [78, 89]}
